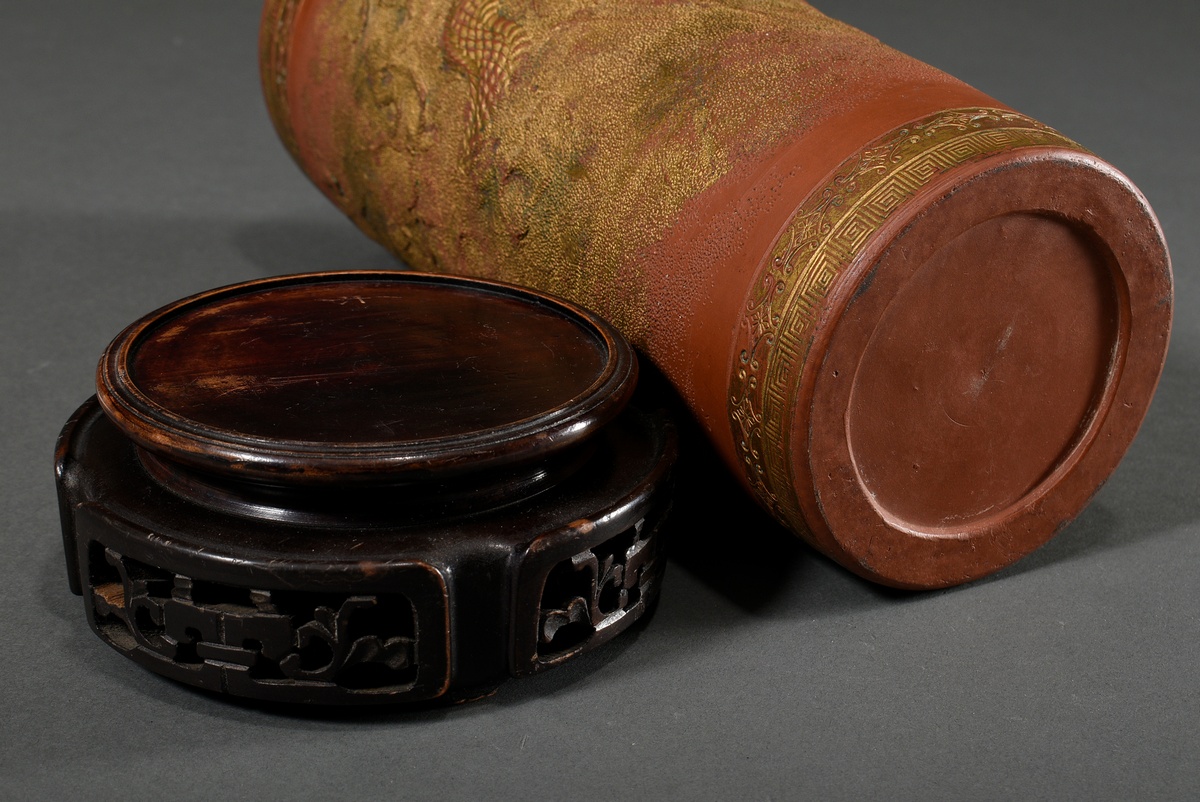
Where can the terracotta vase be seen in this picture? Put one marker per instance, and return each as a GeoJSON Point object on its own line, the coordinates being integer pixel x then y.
{"type": "Point", "coordinates": [920, 326]}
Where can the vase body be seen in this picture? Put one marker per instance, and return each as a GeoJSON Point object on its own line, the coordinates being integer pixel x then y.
{"type": "Point", "coordinates": [921, 327]}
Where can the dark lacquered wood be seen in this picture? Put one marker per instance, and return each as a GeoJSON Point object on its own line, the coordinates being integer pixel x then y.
{"type": "Point", "coordinates": [357, 523]}
{"type": "Point", "coordinates": [222, 600]}
{"type": "Point", "coordinates": [343, 377]}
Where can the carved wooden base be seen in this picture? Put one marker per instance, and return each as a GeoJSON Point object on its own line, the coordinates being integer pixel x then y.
{"type": "Point", "coordinates": [367, 593]}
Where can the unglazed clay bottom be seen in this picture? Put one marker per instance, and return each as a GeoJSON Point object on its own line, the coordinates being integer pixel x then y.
{"type": "Point", "coordinates": [921, 327]}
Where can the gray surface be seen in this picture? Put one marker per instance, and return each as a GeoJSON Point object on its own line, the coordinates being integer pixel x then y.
{"type": "Point", "coordinates": [137, 165]}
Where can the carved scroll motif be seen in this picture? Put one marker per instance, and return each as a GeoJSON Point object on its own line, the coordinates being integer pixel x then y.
{"type": "Point", "coordinates": [594, 590]}
{"type": "Point", "coordinates": [358, 643]}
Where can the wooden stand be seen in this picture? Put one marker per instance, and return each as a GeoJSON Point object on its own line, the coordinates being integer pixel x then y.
{"type": "Point", "coordinates": [363, 487]}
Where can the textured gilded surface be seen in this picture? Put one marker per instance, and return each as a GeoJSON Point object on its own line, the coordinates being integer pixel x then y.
{"type": "Point", "coordinates": [551, 143]}
{"type": "Point", "coordinates": [822, 239]}
{"type": "Point", "coordinates": [485, 46]}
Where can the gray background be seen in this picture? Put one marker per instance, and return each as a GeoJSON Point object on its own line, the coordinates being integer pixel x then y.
{"type": "Point", "coordinates": [137, 165]}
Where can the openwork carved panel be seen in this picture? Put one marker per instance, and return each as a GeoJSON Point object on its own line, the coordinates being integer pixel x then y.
{"type": "Point", "coordinates": [594, 590]}
{"type": "Point", "coordinates": [251, 642]}
{"type": "Point", "coordinates": [571, 602]}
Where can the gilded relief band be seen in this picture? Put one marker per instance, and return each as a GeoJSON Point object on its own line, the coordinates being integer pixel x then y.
{"type": "Point", "coordinates": [824, 236]}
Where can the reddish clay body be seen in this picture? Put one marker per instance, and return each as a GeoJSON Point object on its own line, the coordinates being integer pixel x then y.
{"type": "Point", "coordinates": [920, 326]}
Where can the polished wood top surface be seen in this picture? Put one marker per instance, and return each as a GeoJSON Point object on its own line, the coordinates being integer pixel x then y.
{"type": "Point", "coordinates": [350, 376]}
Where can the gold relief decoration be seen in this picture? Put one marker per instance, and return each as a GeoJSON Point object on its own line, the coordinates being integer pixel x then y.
{"type": "Point", "coordinates": [485, 46]}
{"type": "Point", "coordinates": [554, 144]}
{"type": "Point", "coordinates": [828, 230]}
